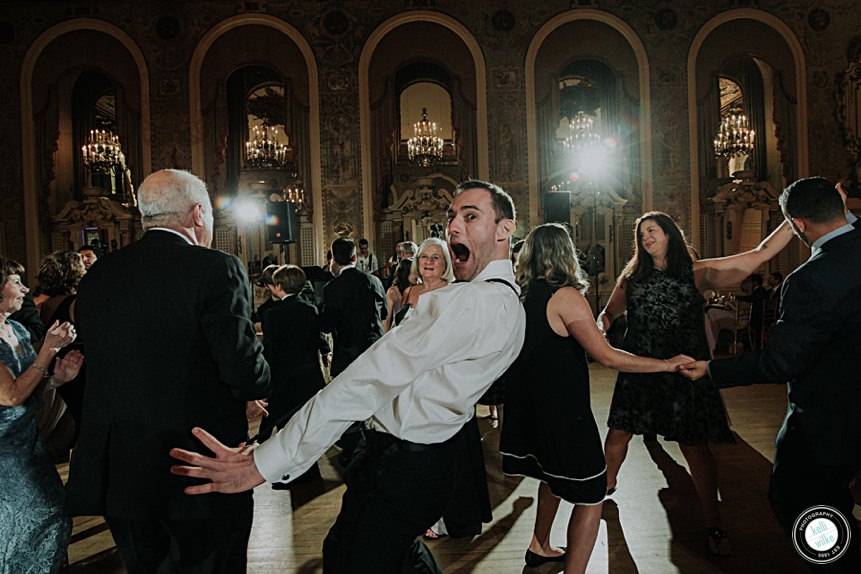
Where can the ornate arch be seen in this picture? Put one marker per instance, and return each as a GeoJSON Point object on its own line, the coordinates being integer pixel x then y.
{"type": "Point", "coordinates": [365, 106]}
{"type": "Point", "coordinates": [28, 134]}
{"type": "Point", "coordinates": [800, 87]}
{"type": "Point", "coordinates": [198, 162]}
{"type": "Point", "coordinates": [645, 126]}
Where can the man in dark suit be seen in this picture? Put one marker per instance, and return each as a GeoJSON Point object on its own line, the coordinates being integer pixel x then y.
{"type": "Point", "coordinates": [292, 344]}
{"type": "Point", "coordinates": [813, 350]}
{"type": "Point", "coordinates": [170, 345]}
{"type": "Point", "coordinates": [354, 307]}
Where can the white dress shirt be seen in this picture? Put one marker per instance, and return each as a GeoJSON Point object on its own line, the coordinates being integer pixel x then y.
{"type": "Point", "coordinates": [419, 382]}
{"type": "Point", "coordinates": [368, 263]}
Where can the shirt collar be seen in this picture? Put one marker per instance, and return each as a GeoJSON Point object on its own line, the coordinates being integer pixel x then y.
{"type": "Point", "coordinates": [817, 245]}
{"type": "Point", "coordinates": [498, 269]}
{"type": "Point", "coordinates": [851, 218]}
{"type": "Point", "coordinates": [177, 233]}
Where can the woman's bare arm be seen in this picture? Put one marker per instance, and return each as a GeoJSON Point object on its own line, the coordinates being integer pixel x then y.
{"type": "Point", "coordinates": [569, 312]}
{"type": "Point", "coordinates": [727, 272]}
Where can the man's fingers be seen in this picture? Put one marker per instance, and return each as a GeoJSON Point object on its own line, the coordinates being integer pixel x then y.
{"type": "Point", "coordinates": [192, 458]}
{"type": "Point", "coordinates": [210, 441]}
{"type": "Point", "coordinates": [207, 488]}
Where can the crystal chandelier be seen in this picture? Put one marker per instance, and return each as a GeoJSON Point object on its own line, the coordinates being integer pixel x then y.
{"type": "Point", "coordinates": [102, 153]}
{"type": "Point", "coordinates": [425, 147]}
{"type": "Point", "coordinates": [734, 137]}
{"type": "Point", "coordinates": [264, 151]}
{"type": "Point", "coordinates": [582, 132]}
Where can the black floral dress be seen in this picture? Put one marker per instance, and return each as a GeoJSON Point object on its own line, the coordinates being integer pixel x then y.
{"type": "Point", "coordinates": [665, 318]}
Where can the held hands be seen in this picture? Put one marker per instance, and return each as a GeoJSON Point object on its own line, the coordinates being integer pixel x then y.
{"type": "Point", "coordinates": [694, 370]}
{"type": "Point", "coordinates": [58, 336]}
{"type": "Point", "coordinates": [231, 470]}
{"type": "Point", "coordinates": [678, 362]}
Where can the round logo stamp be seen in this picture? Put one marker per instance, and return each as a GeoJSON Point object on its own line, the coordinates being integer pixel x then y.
{"type": "Point", "coordinates": [821, 534]}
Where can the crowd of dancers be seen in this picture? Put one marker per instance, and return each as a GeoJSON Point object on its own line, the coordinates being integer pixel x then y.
{"type": "Point", "coordinates": [171, 369]}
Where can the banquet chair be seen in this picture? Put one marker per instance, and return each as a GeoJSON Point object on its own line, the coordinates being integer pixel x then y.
{"type": "Point", "coordinates": [742, 327]}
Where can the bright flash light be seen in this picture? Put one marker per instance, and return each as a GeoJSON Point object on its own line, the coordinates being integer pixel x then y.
{"type": "Point", "coordinates": [247, 211]}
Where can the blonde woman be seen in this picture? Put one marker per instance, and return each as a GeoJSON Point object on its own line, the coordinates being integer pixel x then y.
{"type": "Point", "coordinates": [549, 432]}
{"type": "Point", "coordinates": [432, 269]}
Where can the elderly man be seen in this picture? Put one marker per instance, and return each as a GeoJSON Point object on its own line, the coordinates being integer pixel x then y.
{"type": "Point", "coordinates": [170, 345]}
{"type": "Point", "coordinates": [813, 351]}
{"type": "Point", "coordinates": [416, 387]}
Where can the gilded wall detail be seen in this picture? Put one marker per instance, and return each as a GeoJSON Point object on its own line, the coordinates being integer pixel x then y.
{"type": "Point", "coordinates": [167, 34]}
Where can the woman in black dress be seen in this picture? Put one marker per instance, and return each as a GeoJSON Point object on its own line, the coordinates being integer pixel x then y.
{"type": "Point", "coordinates": [660, 288]}
{"type": "Point", "coordinates": [549, 432]}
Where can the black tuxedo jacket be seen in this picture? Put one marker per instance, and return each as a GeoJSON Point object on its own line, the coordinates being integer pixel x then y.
{"type": "Point", "coordinates": [170, 346]}
{"type": "Point", "coordinates": [813, 349]}
{"type": "Point", "coordinates": [291, 339]}
{"type": "Point", "coordinates": [354, 307]}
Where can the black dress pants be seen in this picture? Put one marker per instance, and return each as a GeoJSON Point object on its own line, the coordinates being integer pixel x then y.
{"type": "Point", "coordinates": [799, 482]}
{"type": "Point", "coordinates": [395, 491]}
{"type": "Point", "coordinates": [209, 546]}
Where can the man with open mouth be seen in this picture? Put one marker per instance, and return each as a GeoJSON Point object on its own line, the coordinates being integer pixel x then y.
{"type": "Point", "coordinates": [415, 388]}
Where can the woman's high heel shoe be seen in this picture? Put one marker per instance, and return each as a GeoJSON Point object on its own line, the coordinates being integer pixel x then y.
{"type": "Point", "coordinates": [534, 560]}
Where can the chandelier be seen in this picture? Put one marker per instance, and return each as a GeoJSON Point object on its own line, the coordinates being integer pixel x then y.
{"type": "Point", "coordinates": [582, 132]}
{"type": "Point", "coordinates": [102, 153]}
{"type": "Point", "coordinates": [294, 193]}
{"type": "Point", "coordinates": [264, 151]}
{"type": "Point", "coordinates": [425, 147]}
{"type": "Point", "coordinates": [734, 137]}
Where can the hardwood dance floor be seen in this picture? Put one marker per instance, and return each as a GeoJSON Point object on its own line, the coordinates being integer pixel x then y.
{"type": "Point", "coordinates": [652, 526]}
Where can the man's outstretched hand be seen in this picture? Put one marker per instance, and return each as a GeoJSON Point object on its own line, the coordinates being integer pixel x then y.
{"type": "Point", "coordinates": [231, 470]}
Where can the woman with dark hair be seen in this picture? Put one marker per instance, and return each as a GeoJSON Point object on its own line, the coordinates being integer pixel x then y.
{"type": "Point", "coordinates": [660, 288]}
{"type": "Point", "coordinates": [403, 279]}
{"type": "Point", "coordinates": [549, 432]}
{"type": "Point", "coordinates": [34, 532]}
{"type": "Point", "coordinates": [59, 275]}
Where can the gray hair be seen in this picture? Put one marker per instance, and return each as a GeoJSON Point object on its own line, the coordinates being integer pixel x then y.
{"type": "Point", "coordinates": [448, 272]}
{"type": "Point", "coordinates": [409, 248]}
{"type": "Point", "coordinates": [165, 197]}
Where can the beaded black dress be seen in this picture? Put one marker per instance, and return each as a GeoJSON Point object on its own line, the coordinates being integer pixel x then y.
{"type": "Point", "coordinates": [665, 318]}
{"type": "Point", "coordinates": [549, 431]}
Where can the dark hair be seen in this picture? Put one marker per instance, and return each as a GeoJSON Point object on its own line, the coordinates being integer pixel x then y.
{"type": "Point", "coordinates": [777, 275]}
{"type": "Point", "coordinates": [640, 266]}
{"type": "Point", "coordinates": [343, 250]}
{"type": "Point", "coordinates": [266, 276]}
{"type": "Point", "coordinates": [60, 272]}
{"type": "Point", "coordinates": [290, 278]}
{"type": "Point", "coordinates": [813, 198]}
{"type": "Point", "coordinates": [503, 205]}
{"type": "Point", "coordinates": [88, 248]}
{"type": "Point", "coordinates": [756, 279]}
{"type": "Point", "coordinates": [9, 267]}
{"type": "Point", "coordinates": [402, 274]}
{"type": "Point", "coordinates": [363, 241]}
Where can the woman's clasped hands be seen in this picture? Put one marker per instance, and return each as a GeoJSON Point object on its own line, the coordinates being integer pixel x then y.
{"type": "Point", "coordinates": [59, 335]}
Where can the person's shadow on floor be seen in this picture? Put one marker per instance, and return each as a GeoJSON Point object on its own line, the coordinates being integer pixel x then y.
{"type": "Point", "coordinates": [757, 539]}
